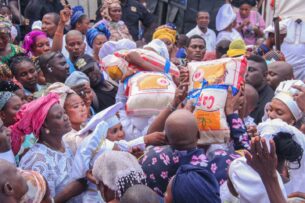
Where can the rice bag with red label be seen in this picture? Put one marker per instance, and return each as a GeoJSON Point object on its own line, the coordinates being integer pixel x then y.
{"type": "Point", "coordinates": [209, 82]}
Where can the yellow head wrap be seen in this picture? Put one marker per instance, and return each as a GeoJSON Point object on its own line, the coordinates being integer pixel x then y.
{"type": "Point", "coordinates": [237, 48]}
{"type": "Point", "coordinates": [165, 32]}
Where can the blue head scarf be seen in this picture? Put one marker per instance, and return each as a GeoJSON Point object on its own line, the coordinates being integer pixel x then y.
{"type": "Point", "coordinates": [77, 12]}
{"type": "Point", "coordinates": [93, 32]}
{"type": "Point", "coordinates": [195, 184]}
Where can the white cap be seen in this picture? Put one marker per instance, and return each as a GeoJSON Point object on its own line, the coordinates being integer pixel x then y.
{"type": "Point", "coordinates": [225, 17]}
{"type": "Point", "coordinates": [284, 92]}
{"type": "Point", "coordinates": [37, 25]}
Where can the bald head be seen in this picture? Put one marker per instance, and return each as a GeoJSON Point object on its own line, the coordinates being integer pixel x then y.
{"type": "Point", "coordinates": [277, 72]}
{"type": "Point", "coordinates": [12, 185]}
{"type": "Point", "coordinates": [252, 98]}
{"type": "Point", "coordinates": [6, 168]}
{"type": "Point", "coordinates": [72, 34]}
{"type": "Point", "coordinates": [181, 130]}
{"type": "Point", "coordinates": [139, 194]}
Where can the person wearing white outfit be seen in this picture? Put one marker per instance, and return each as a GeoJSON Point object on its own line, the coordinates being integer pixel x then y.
{"type": "Point", "coordinates": [225, 22]}
{"type": "Point", "coordinates": [203, 20]}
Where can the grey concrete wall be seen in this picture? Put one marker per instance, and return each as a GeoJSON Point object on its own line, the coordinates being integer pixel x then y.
{"type": "Point", "coordinates": [89, 5]}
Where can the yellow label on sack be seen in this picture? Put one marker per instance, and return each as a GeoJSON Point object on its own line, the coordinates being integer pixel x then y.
{"type": "Point", "coordinates": [115, 72]}
{"type": "Point", "coordinates": [207, 120]}
{"type": "Point", "coordinates": [153, 82]}
{"type": "Point", "coordinates": [213, 74]}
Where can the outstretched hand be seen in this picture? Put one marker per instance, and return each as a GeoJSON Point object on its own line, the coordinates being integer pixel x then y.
{"type": "Point", "coordinates": [234, 103]}
{"type": "Point", "coordinates": [260, 159]}
{"type": "Point", "coordinates": [65, 15]}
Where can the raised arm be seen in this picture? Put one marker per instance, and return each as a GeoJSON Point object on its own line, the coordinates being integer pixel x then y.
{"type": "Point", "coordinates": [58, 37]}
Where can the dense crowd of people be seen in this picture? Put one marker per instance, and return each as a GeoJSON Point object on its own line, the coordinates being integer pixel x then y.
{"type": "Point", "coordinates": [117, 111]}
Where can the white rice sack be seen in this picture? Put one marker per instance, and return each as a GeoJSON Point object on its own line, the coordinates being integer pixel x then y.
{"type": "Point", "coordinates": [149, 93]}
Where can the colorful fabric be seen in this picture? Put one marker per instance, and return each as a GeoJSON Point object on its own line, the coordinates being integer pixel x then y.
{"type": "Point", "coordinates": [219, 162]}
{"type": "Point", "coordinates": [5, 72]}
{"type": "Point", "coordinates": [247, 32]}
{"type": "Point", "coordinates": [61, 89]}
{"type": "Point", "coordinates": [15, 49]}
{"type": "Point", "coordinates": [5, 25]}
{"type": "Point", "coordinates": [160, 164]}
{"type": "Point", "coordinates": [77, 13]}
{"type": "Point", "coordinates": [274, 55]}
{"type": "Point", "coordinates": [195, 184]}
{"type": "Point", "coordinates": [95, 31]}
{"type": "Point", "coordinates": [238, 132]}
{"type": "Point", "coordinates": [105, 8]}
{"type": "Point", "coordinates": [37, 186]}
{"type": "Point", "coordinates": [30, 39]}
{"type": "Point", "coordinates": [30, 119]}
{"type": "Point", "coordinates": [165, 32]}
{"type": "Point", "coordinates": [118, 30]}
{"type": "Point", "coordinates": [4, 98]}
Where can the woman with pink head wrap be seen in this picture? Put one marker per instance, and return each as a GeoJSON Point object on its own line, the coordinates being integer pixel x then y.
{"type": "Point", "coordinates": [36, 43]}
{"type": "Point", "coordinates": [49, 156]}
{"type": "Point", "coordinates": [30, 119]}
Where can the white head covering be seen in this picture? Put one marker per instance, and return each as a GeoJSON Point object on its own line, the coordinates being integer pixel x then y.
{"type": "Point", "coordinates": [111, 46]}
{"type": "Point", "coordinates": [158, 46]}
{"type": "Point", "coordinates": [271, 127]}
{"type": "Point", "coordinates": [37, 25]}
{"type": "Point", "coordinates": [112, 121]}
{"type": "Point", "coordinates": [248, 184]}
{"type": "Point", "coordinates": [270, 29]}
{"type": "Point", "coordinates": [96, 143]}
{"type": "Point", "coordinates": [225, 17]}
{"type": "Point", "coordinates": [116, 168]}
{"type": "Point", "coordinates": [106, 114]}
{"type": "Point", "coordinates": [14, 33]}
{"type": "Point", "coordinates": [61, 89]}
{"type": "Point", "coordinates": [284, 92]}
{"type": "Point", "coordinates": [77, 78]}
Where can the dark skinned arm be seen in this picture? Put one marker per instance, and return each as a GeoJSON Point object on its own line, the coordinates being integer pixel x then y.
{"type": "Point", "coordinates": [15, 11]}
{"type": "Point", "coordinates": [71, 190]}
{"type": "Point", "coordinates": [58, 37]}
{"type": "Point", "coordinates": [180, 95]}
{"type": "Point", "coordinates": [135, 59]}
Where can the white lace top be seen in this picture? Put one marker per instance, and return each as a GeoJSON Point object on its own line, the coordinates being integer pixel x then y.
{"type": "Point", "coordinates": [56, 167]}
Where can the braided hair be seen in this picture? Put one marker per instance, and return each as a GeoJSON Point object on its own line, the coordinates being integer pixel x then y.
{"type": "Point", "coordinates": [288, 149]}
{"type": "Point", "coordinates": [9, 86]}
{"type": "Point", "coordinates": [16, 60]}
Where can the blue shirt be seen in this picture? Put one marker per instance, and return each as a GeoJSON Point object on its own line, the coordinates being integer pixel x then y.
{"type": "Point", "coordinates": [71, 66]}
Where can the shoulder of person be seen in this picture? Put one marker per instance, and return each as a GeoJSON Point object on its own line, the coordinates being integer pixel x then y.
{"type": "Point", "coordinates": [212, 32]}
{"type": "Point", "coordinates": [192, 32]}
